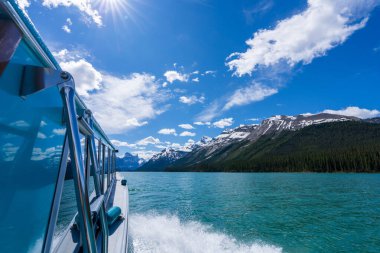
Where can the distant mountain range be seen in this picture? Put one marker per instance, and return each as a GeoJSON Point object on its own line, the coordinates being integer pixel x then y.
{"type": "Point", "coordinates": [162, 160]}
{"type": "Point", "coordinates": [129, 162]}
{"type": "Point", "coordinates": [307, 142]}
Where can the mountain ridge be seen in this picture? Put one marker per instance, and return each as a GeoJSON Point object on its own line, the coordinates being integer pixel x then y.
{"type": "Point", "coordinates": [219, 148]}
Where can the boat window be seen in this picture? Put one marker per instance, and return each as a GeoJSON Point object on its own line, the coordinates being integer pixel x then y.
{"type": "Point", "coordinates": [31, 140]}
{"type": "Point", "coordinates": [106, 160]}
{"type": "Point", "coordinates": [100, 160]}
{"type": "Point", "coordinates": [109, 167]}
{"type": "Point", "coordinates": [91, 182]}
{"type": "Point", "coordinates": [113, 165]}
{"type": "Point", "coordinates": [67, 206]}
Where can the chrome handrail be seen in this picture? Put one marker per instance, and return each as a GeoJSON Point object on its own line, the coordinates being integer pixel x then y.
{"type": "Point", "coordinates": [67, 90]}
{"type": "Point", "coordinates": [95, 171]}
{"type": "Point", "coordinates": [57, 198]}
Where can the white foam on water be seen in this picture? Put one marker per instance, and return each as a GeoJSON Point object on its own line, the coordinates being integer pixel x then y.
{"type": "Point", "coordinates": [167, 234]}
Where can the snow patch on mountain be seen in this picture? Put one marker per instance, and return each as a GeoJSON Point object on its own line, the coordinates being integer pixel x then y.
{"type": "Point", "coordinates": [207, 146]}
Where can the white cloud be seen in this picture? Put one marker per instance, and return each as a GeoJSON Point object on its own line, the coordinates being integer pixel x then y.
{"type": "Point", "coordinates": [210, 112]}
{"type": "Point", "coordinates": [59, 131]}
{"type": "Point", "coordinates": [118, 143]}
{"type": "Point", "coordinates": [23, 4]}
{"type": "Point", "coordinates": [165, 84]}
{"type": "Point", "coordinates": [223, 123]}
{"type": "Point", "coordinates": [66, 27]}
{"type": "Point", "coordinates": [39, 154]}
{"type": "Point", "coordinates": [186, 126]}
{"type": "Point", "coordinates": [41, 135]}
{"type": "Point", "coordinates": [258, 9]}
{"type": "Point", "coordinates": [145, 154]}
{"type": "Point", "coordinates": [196, 80]}
{"type": "Point", "coordinates": [304, 36]}
{"type": "Point", "coordinates": [20, 124]}
{"type": "Point", "coordinates": [173, 75]}
{"type": "Point", "coordinates": [168, 131]}
{"type": "Point", "coordinates": [355, 112]}
{"type": "Point", "coordinates": [187, 133]}
{"type": "Point", "coordinates": [253, 93]}
{"type": "Point", "coordinates": [123, 103]}
{"type": "Point", "coordinates": [209, 72]}
{"type": "Point", "coordinates": [148, 140]}
{"type": "Point", "coordinates": [191, 100]}
{"type": "Point", "coordinates": [118, 103]}
{"type": "Point", "coordinates": [176, 146]}
{"type": "Point", "coordinates": [86, 77]}
{"type": "Point", "coordinates": [201, 123]}
{"type": "Point", "coordinates": [83, 5]}
{"type": "Point", "coordinates": [65, 55]}
{"type": "Point", "coordinates": [133, 122]}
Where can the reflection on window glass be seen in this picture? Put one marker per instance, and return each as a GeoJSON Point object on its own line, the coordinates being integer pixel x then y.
{"type": "Point", "coordinates": [91, 186]}
{"type": "Point", "coordinates": [100, 159]}
{"type": "Point", "coordinates": [106, 160]}
{"type": "Point", "coordinates": [67, 206]}
{"type": "Point", "coordinates": [83, 145]}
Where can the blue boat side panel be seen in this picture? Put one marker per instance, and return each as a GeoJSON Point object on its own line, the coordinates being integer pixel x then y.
{"type": "Point", "coordinates": [34, 32]}
{"type": "Point", "coordinates": [31, 138]}
{"type": "Point", "coordinates": [24, 55]}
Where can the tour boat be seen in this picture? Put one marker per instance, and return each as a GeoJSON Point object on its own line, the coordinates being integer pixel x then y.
{"type": "Point", "coordinates": [59, 188]}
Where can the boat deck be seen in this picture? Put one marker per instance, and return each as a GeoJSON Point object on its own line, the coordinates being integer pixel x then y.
{"type": "Point", "coordinates": [118, 232]}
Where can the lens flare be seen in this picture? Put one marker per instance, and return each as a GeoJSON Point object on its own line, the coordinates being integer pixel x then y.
{"type": "Point", "coordinates": [119, 10]}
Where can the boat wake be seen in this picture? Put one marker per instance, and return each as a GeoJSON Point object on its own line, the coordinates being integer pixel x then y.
{"type": "Point", "coordinates": [167, 234]}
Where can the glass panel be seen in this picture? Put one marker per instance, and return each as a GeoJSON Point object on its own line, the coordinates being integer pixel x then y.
{"type": "Point", "coordinates": [31, 140]}
{"type": "Point", "coordinates": [113, 164]}
{"type": "Point", "coordinates": [91, 187]}
{"type": "Point", "coordinates": [87, 163]}
{"type": "Point", "coordinates": [67, 206]}
{"type": "Point", "coordinates": [100, 160]}
{"type": "Point", "coordinates": [109, 167]}
{"type": "Point", "coordinates": [105, 169]}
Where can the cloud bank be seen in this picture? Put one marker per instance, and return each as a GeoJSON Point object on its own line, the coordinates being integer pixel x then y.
{"type": "Point", "coordinates": [324, 25]}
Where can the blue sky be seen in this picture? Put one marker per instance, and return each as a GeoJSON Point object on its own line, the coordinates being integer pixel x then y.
{"type": "Point", "coordinates": [165, 73]}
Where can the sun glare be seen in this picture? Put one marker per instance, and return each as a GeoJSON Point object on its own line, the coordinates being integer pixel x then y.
{"type": "Point", "coordinates": [119, 10]}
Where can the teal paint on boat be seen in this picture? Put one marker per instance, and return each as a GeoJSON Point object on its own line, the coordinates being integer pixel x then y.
{"type": "Point", "coordinates": [113, 214]}
{"type": "Point", "coordinates": [25, 56]}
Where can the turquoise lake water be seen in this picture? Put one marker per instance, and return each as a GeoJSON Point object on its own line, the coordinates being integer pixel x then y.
{"type": "Point", "coordinates": [228, 212]}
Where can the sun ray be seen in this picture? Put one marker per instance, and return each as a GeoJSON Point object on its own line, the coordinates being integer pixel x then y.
{"type": "Point", "coordinates": [119, 10]}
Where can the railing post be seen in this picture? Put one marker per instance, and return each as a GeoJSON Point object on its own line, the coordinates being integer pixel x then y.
{"type": "Point", "coordinates": [95, 170]}
{"type": "Point", "coordinates": [67, 90]}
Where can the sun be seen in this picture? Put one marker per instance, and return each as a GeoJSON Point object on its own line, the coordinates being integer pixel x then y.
{"type": "Point", "coordinates": [119, 10]}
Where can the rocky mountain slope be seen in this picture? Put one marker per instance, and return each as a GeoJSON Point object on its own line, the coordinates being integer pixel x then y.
{"type": "Point", "coordinates": [162, 160]}
{"type": "Point", "coordinates": [251, 133]}
{"type": "Point", "coordinates": [128, 162]}
{"type": "Point", "coordinates": [350, 146]}
{"type": "Point", "coordinates": [209, 148]}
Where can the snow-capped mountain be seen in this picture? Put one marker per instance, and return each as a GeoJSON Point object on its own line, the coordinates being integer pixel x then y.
{"type": "Point", "coordinates": [163, 159]}
{"type": "Point", "coordinates": [169, 154]}
{"type": "Point", "coordinates": [207, 147]}
{"type": "Point", "coordinates": [275, 124]}
{"type": "Point", "coordinates": [128, 162]}
{"type": "Point", "coordinates": [279, 123]}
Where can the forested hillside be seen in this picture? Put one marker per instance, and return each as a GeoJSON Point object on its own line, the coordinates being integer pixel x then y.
{"type": "Point", "coordinates": [350, 146]}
